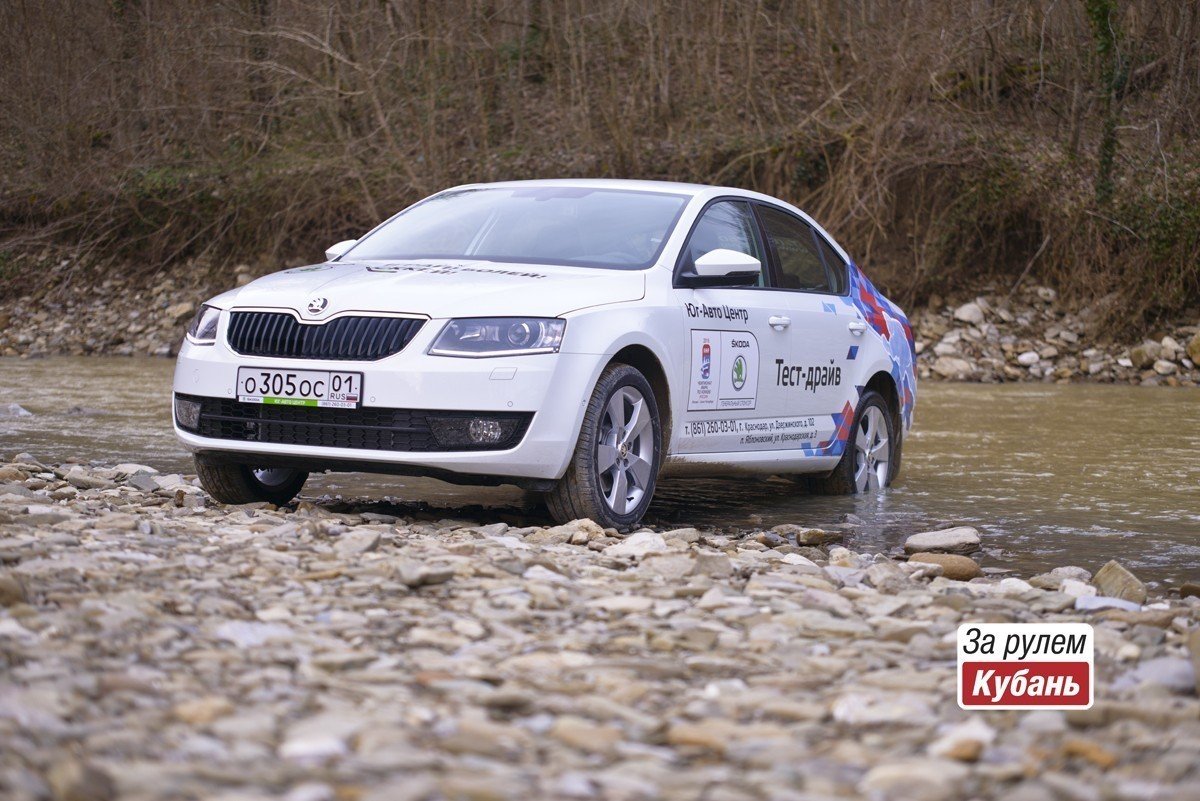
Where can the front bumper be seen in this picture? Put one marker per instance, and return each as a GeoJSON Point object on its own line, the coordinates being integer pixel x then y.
{"type": "Point", "coordinates": [554, 388]}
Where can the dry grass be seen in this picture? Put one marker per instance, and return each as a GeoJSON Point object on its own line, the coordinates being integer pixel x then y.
{"type": "Point", "coordinates": [946, 144]}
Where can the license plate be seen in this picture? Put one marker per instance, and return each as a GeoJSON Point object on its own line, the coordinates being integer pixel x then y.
{"type": "Point", "coordinates": [326, 389]}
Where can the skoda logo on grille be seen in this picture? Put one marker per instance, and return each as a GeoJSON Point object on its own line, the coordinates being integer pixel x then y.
{"type": "Point", "coordinates": [317, 305]}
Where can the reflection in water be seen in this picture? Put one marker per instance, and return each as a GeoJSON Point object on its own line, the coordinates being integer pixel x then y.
{"type": "Point", "coordinates": [1052, 475]}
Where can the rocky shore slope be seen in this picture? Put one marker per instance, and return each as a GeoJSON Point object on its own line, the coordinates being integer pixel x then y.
{"type": "Point", "coordinates": [155, 645]}
{"type": "Point", "coordinates": [1027, 335]}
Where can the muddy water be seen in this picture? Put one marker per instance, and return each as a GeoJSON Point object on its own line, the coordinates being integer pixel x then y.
{"type": "Point", "coordinates": [1052, 475]}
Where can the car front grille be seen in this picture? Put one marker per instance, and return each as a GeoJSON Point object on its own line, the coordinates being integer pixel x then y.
{"type": "Point", "coordinates": [280, 335]}
{"type": "Point", "coordinates": [372, 429]}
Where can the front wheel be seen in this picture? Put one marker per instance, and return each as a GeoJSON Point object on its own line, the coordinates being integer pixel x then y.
{"type": "Point", "coordinates": [612, 474]}
{"type": "Point", "coordinates": [871, 457]}
{"type": "Point", "coordinates": [240, 483]}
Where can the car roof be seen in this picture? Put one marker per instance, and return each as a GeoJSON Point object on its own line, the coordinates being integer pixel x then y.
{"type": "Point", "coordinates": [623, 183]}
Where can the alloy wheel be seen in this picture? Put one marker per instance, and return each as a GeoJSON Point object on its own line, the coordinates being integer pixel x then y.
{"type": "Point", "coordinates": [625, 450]}
{"type": "Point", "coordinates": [871, 451]}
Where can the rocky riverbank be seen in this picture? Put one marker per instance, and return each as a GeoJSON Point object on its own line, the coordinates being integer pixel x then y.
{"type": "Point", "coordinates": [1028, 336]}
{"type": "Point", "coordinates": [155, 645]}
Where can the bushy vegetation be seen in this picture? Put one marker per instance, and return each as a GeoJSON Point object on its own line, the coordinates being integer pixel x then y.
{"type": "Point", "coordinates": [946, 144]}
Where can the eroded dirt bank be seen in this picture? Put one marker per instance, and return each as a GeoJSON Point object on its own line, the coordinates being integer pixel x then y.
{"type": "Point", "coordinates": [157, 646]}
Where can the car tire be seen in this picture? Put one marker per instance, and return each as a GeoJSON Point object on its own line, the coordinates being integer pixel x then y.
{"type": "Point", "coordinates": [871, 458]}
{"type": "Point", "coordinates": [240, 483]}
{"type": "Point", "coordinates": [619, 446]}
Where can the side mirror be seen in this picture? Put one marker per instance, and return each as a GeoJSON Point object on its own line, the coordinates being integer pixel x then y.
{"type": "Point", "coordinates": [723, 267]}
{"type": "Point", "coordinates": [339, 249]}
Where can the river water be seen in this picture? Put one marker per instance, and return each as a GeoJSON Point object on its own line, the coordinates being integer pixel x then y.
{"type": "Point", "coordinates": [1050, 474]}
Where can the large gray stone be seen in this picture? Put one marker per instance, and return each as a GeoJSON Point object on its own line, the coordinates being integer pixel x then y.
{"type": "Point", "coordinates": [960, 539]}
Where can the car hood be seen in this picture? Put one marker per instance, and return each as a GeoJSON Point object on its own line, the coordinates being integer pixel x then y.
{"type": "Point", "coordinates": [438, 289]}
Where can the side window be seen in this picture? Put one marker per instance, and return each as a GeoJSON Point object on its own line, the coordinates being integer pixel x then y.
{"type": "Point", "coordinates": [795, 243]}
{"type": "Point", "coordinates": [726, 224]}
{"type": "Point", "coordinates": [834, 264]}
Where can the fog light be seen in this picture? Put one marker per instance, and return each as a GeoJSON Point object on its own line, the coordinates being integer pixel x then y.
{"type": "Point", "coordinates": [187, 414]}
{"type": "Point", "coordinates": [467, 431]}
{"type": "Point", "coordinates": [485, 432]}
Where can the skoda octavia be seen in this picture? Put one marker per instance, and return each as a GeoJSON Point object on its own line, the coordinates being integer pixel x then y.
{"type": "Point", "coordinates": [575, 338]}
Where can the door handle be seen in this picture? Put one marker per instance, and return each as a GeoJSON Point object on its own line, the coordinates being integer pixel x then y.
{"type": "Point", "coordinates": [857, 327]}
{"type": "Point", "coordinates": [778, 322]}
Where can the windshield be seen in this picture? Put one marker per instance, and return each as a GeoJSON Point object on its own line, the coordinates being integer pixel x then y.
{"type": "Point", "coordinates": [577, 226]}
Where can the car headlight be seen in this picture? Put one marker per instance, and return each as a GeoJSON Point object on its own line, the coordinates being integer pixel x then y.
{"type": "Point", "coordinates": [499, 336]}
{"type": "Point", "coordinates": [203, 328]}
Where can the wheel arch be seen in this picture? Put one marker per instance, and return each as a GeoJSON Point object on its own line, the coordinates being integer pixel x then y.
{"type": "Point", "coordinates": [648, 364]}
{"type": "Point", "coordinates": [883, 383]}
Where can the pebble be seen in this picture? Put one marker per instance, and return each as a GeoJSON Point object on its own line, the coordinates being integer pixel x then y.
{"type": "Point", "coordinates": [961, 539]}
{"type": "Point", "coordinates": [958, 568]}
{"type": "Point", "coordinates": [638, 545]}
{"type": "Point", "coordinates": [336, 652]}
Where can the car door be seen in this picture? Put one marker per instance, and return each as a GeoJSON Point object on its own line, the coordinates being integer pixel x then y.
{"type": "Point", "coordinates": [815, 375]}
{"type": "Point", "coordinates": [734, 335]}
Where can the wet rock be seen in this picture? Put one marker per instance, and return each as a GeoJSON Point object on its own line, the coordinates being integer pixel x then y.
{"type": "Point", "coordinates": [1114, 581]}
{"type": "Point", "coordinates": [803, 535]}
{"type": "Point", "coordinates": [12, 411]}
{"type": "Point", "coordinates": [958, 568]}
{"type": "Point", "coordinates": [1189, 589]}
{"type": "Point", "coordinates": [961, 539]}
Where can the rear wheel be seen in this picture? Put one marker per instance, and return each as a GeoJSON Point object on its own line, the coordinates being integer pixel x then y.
{"type": "Point", "coordinates": [613, 472]}
{"type": "Point", "coordinates": [240, 483]}
{"type": "Point", "coordinates": [870, 460]}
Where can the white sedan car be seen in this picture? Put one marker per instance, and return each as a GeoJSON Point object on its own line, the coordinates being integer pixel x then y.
{"type": "Point", "coordinates": [576, 338]}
